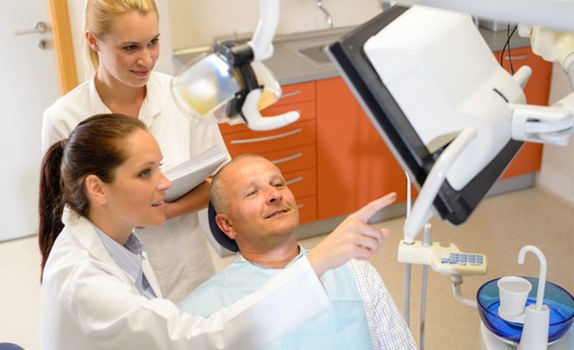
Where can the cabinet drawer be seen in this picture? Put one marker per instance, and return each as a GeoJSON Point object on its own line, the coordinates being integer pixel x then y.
{"type": "Point", "coordinates": [293, 159]}
{"type": "Point", "coordinates": [307, 209]}
{"type": "Point", "coordinates": [296, 93]}
{"type": "Point", "coordinates": [297, 134]}
{"type": "Point", "coordinates": [302, 183]}
{"type": "Point", "coordinates": [305, 109]}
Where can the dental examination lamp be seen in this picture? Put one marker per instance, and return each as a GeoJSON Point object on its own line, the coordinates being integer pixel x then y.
{"type": "Point", "coordinates": [231, 84]}
{"type": "Point", "coordinates": [455, 119]}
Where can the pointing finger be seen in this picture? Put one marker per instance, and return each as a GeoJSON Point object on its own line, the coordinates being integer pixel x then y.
{"type": "Point", "coordinates": [365, 213]}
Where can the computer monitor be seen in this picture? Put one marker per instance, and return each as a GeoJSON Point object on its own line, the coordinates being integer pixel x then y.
{"type": "Point", "coordinates": [389, 112]}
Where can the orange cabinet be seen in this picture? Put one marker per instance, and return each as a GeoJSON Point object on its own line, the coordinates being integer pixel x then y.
{"type": "Point", "coordinates": [353, 162]}
{"type": "Point", "coordinates": [292, 148]}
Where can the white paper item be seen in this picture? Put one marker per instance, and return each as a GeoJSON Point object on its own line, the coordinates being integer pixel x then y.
{"type": "Point", "coordinates": [191, 173]}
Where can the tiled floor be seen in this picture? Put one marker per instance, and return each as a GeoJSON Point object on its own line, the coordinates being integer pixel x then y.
{"type": "Point", "coordinates": [499, 228]}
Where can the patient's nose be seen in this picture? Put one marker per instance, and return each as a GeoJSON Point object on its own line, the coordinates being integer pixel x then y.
{"type": "Point", "coordinates": [273, 194]}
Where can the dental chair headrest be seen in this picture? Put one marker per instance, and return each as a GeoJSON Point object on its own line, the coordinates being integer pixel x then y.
{"type": "Point", "coordinates": [219, 235]}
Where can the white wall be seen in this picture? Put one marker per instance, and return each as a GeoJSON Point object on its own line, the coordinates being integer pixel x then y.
{"type": "Point", "coordinates": [557, 173]}
{"type": "Point", "coordinates": [198, 22]}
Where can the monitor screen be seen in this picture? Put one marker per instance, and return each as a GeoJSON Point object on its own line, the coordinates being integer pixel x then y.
{"type": "Point", "coordinates": [393, 124]}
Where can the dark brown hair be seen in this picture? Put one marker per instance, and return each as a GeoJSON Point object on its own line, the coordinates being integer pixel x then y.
{"type": "Point", "coordinates": [95, 147]}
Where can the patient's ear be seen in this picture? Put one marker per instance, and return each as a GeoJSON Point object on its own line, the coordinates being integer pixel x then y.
{"type": "Point", "coordinates": [225, 224]}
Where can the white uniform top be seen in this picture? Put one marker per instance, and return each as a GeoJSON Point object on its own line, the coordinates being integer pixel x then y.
{"type": "Point", "coordinates": [89, 302]}
{"type": "Point", "coordinates": [177, 250]}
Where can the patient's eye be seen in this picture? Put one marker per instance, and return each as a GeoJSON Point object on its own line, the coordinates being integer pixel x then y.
{"type": "Point", "coordinates": [251, 192]}
{"type": "Point", "coordinates": [279, 185]}
{"type": "Point", "coordinates": [154, 42]}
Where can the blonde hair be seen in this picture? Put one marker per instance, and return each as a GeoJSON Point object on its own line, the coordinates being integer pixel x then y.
{"type": "Point", "coordinates": [99, 16]}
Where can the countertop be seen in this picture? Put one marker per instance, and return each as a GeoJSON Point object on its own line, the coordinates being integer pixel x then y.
{"type": "Point", "coordinates": [290, 66]}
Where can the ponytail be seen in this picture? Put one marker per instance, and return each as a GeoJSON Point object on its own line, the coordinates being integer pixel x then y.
{"type": "Point", "coordinates": [51, 204]}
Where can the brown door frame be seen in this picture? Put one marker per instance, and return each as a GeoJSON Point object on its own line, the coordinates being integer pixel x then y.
{"type": "Point", "coordinates": [63, 44]}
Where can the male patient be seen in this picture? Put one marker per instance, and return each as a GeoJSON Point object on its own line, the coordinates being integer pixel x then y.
{"type": "Point", "coordinates": [257, 215]}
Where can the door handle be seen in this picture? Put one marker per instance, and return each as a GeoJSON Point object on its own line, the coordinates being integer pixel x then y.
{"type": "Point", "coordinates": [40, 27]}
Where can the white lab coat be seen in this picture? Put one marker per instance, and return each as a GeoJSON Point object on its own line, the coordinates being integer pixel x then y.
{"type": "Point", "coordinates": [88, 302]}
{"type": "Point", "coordinates": [178, 250]}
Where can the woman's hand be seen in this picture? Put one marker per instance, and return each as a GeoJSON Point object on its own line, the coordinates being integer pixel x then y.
{"type": "Point", "coordinates": [353, 238]}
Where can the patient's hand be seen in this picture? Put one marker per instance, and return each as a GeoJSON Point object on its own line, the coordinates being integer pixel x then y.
{"type": "Point", "coordinates": [353, 238]}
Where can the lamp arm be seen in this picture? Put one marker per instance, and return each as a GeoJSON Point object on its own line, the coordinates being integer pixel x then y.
{"type": "Point", "coordinates": [262, 41]}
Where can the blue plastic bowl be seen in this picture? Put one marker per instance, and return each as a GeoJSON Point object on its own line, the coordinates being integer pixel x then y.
{"type": "Point", "coordinates": [558, 300]}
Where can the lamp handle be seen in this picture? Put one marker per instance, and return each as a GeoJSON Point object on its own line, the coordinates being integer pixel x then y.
{"type": "Point", "coordinates": [256, 121]}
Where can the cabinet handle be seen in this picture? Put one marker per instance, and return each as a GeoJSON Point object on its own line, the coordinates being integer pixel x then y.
{"type": "Point", "coordinates": [300, 206]}
{"type": "Point", "coordinates": [295, 110]}
{"type": "Point", "coordinates": [291, 94]}
{"type": "Point", "coordinates": [267, 138]}
{"type": "Point", "coordinates": [514, 58]}
{"type": "Point", "coordinates": [287, 159]}
{"type": "Point", "coordinates": [295, 180]}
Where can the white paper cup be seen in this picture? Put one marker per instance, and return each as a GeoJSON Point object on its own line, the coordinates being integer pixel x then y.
{"type": "Point", "coordinates": [513, 293]}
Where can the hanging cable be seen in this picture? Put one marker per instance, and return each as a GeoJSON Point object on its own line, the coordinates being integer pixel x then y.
{"type": "Point", "coordinates": [507, 48]}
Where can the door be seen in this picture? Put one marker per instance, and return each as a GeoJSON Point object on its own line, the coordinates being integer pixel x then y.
{"type": "Point", "coordinates": [28, 84]}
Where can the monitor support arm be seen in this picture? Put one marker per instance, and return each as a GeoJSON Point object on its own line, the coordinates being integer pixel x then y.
{"type": "Point", "coordinates": [421, 211]}
{"type": "Point", "coordinates": [541, 124]}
